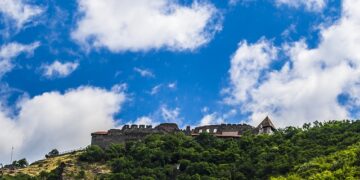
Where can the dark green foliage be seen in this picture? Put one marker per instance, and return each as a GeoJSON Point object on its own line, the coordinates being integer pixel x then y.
{"type": "Point", "coordinates": [55, 174]}
{"type": "Point", "coordinates": [201, 168]}
{"type": "Point", "coordinates": [81, 175]}
{"type": "Point", "coordinates": [17, 164]}
{"type": "Point", "coordinates": [184, 164]}
{"type": "Point", "coordinates": [119, 164]}
{"type": "Point", "coordinates": [176, 156]}
{"type": "Point", "coordinates": [52, 153]}
{"type": "Point", "coordinates": [92, 154]}
{"type": "Point", "coordinates": [21, 163]}
{"type": "Point", "coordinates": [115, 151]}
{"type": "Point", "coordinates": [339, 165]}
{"type": "Point", "coordinates": [18, 177]}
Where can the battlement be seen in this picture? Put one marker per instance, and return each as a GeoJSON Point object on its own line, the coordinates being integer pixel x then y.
{"type": "Point", "coordinates": [137, 132]}
{"type": "Point", "coordinates": [223, 130]}
{"type": "Point", "coordinates": [135, 126]}
{"type": "Point", "coordinates": [130, 132]}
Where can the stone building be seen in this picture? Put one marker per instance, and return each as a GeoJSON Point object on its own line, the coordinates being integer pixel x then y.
{"type": "Point", "coordinates": [235, 130]}
{"type": "Point", "coordinates": [127, 133]}
{"type": "Point", "coordinates": [223, 130]}
{"type": "Point", "coordinates": [266, 127]}
{"type": "Point", "coordinates": [136, 132]}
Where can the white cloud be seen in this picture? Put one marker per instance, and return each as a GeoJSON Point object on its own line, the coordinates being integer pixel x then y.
{"type": "Point", "coordinates": [241, 2]}
{"type": "Point", "coordinates": [155, 89]}
{"type": "Point", "coordinates": [216, 117]}
{"type": "Point", "coordinates": [289, 31]}
{"type": "Point", "coordinates": [120, 87]}
{"type": "Point", "coordinates": [229, 114]}
{"type": "Point", "coordinates": [205, 109]}
{"type": "Point", "coordinates": [233, 2]}
{"type": "Point", "coordinates": [170, 115]}
{"type": "Point", "coordinates": [162, 114]}
{"type": "Point", "coordinates": [144, 72]}
{"type": "Point", "coordinates": [19, 11]}
{"type": "Point", "coordinates": [144, 120]}
{"type": "Point", "coordinates": [310, 5]}
{"type": "Point", "coordinates": [10, 135]}
{"type": "Point", "coordinates": [172, 85]}
{"type": "Point", "coordinates": [55, 120]}
{"type": "Point", "coordinates": [58, 69]}
{"type": "Point", "coordinates": [246, 66]}
{"type": "Point", "coordinates": [12, 50]}
{"type": "Point", "coordinates": [210, 119]}
{"type": "Point", "coordinates": [308, 85]}
{"type": "Point", "coordinates": [141, 25]}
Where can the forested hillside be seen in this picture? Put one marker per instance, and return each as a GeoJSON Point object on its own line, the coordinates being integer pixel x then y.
{"type": "Point", "coordinates": [340, 165]}
{"type": "Point", "coordinates": [316, 150]}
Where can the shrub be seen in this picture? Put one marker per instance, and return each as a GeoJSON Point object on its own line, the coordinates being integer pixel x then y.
{"type": "Point", "coordinates": [92, 154]}
{"type": "Point", "coordinates": [52, 153]}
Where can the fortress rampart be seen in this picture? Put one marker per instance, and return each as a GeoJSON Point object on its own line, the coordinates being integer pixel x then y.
{"type": "Point", "coordinates": [138, 132]}
{"type": "Point", "coordinates": [130, 132]}
{"type": "Point", "coordinates": [224, 130]}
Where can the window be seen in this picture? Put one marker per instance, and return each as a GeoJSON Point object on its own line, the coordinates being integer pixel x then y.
{"type": "Point", "coordinates": [200, 130]}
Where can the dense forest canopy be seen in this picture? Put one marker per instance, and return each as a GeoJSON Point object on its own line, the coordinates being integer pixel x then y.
{"type": "Point", "coordinates": [317, 150]}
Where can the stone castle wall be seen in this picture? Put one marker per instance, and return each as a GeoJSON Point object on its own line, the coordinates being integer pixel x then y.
{"type": "Point", "coordinates": [218, 129]}
{"type": "Point", "coordinates": [138, 132]}
{"type": "Point", "coordinates": [127, 133]}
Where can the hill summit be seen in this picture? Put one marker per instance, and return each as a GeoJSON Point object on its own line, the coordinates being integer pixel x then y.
{"type": "Point", "coordinates": [329, 150]}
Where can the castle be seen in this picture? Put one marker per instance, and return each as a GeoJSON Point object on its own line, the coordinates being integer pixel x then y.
{"type": "Point", "coordinates": [136, 132]}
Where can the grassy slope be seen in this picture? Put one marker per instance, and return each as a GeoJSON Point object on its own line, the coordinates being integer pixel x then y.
{"type": "Point", "coordinates": [72, 168]}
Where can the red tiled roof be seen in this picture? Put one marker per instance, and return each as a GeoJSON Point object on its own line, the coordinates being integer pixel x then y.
{"type": "Point", "coordinates": [100, 132]}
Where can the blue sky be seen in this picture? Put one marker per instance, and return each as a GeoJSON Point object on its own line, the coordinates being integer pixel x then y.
{"type": "Point", "coordinates": [85, 65]}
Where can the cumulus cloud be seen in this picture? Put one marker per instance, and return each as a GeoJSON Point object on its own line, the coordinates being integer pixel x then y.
{"type": "Point", "coordinates": [12, 50]}
{"type": "Point", "coordinates": [58, 69]}
{"type": "Point", "coordinates": [216, 117]}
{"type": "Point", "coordinates": [144, 120]}
{"type": "Point", "coordinates": [19, 11]}
{"type": "Point", "coordinates": [210, 119]}
{"type": "Point", "coordinates": [56, 120]}
{"type": "Point", "coordinates": [309, 84]}
{"type": "Point", "coordinates": [141, 25]}
{"type": "Point", "coordinates": [162, 114]}
{"type": "Point", "coordinates": [170, 115]}
{"type": "Point", "coordinates": [144, 72]}
{"type": "Point", "coordinates": [246, 66]}
{"type": "Point", "coordinates": [310, 5]}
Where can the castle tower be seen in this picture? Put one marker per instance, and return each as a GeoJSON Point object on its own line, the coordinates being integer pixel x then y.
{"type": "Point", "coordinates": [266, 126]}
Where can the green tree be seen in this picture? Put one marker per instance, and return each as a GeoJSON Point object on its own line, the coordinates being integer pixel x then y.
{"type": "Point", "coordinates": [52, 153]}
{"type": "Point", "coordinates": [93, 154]}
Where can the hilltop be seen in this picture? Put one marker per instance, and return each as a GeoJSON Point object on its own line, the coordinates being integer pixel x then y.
{"type": "Point", "coordinates": [66, 166]}
{"type": "Point", "coordinates": [315, 151]}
